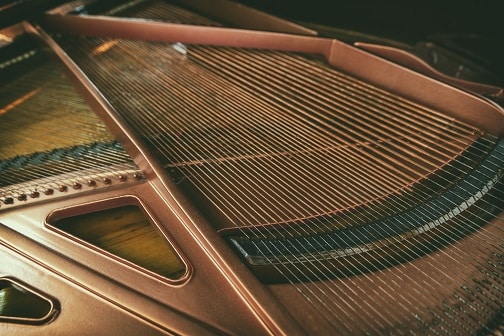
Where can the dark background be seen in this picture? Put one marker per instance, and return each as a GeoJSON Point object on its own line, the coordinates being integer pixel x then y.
{"type": "Point", "coordinates": [473, 30]}
{"type": "Point", "coordinates": [469, 35]}
{"type": "Point", "coordinates": [395, 17]}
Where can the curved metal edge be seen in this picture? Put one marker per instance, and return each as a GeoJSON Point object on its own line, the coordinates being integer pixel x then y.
{"type": "Point", "coordinates": [432, 93]}
{"type": "Point", "coordinates": [47, 318]}
{"type": "Point", "coordinates": [412, 62]}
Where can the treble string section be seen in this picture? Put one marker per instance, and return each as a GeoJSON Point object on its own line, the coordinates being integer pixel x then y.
{"type": "Point", "coordinates": [195, 130]}
{"type": "Point", "coordinates": [466, 142]}
{"type": "Point", "coordinates": [381, 99]}
{"type": "Point", "coordinates": [438, 153]}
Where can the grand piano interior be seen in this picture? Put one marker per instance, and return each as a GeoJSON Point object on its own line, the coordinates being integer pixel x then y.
{"type": "Point", "coordinates": [180, 167]}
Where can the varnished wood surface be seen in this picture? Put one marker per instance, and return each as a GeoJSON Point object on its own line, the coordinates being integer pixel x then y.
{"type": "Point", "coordinates": [126, 233]}
{"type": "Point", "coordinates": [16, 303]}
{"type": "Point", "coordinates": [40, 111]}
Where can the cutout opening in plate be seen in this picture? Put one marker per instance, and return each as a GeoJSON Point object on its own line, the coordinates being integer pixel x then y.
{"type": "Point", "coordinates": [22, 304]}
{"type": "Point", "coordinates": [122, 229]}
